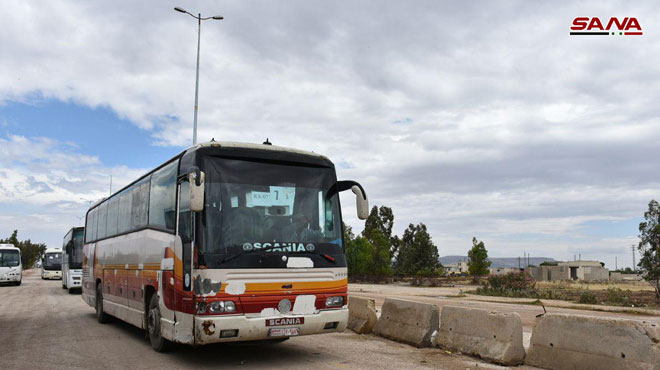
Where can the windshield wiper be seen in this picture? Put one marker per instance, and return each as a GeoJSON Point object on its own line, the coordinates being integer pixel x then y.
{"type": "Point", "coordinates": [236, 255]}
{"type": "Point", "coordinates": [326, 256]}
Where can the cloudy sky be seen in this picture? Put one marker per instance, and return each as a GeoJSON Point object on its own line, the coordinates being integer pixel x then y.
{"type": "Point", "coordinates": [477, 118]}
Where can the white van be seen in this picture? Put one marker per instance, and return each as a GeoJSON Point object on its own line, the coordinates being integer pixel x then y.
{"type": "Point", "coordinates": [51, 265]}
{"type": "Point", "coordinates": [11, 270]}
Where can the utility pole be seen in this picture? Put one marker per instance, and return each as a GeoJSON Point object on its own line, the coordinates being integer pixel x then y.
{"type": "Point", "coordinates": [110, 184]}
{"type": "Point", "coordinates": [199, 32]}
{"type": "Point", "coordinates": [632, 247]}
{"type": "Point", "coordinates": [615, 264]}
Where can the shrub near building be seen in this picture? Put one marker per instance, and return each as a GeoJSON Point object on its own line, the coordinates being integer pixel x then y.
{"type": "Point", "coordinates": [513, 284]}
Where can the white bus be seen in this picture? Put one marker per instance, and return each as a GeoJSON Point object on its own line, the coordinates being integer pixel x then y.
{"type": "Point", "coordinates": [51, 264]}
{"type": "Point", "coordinates": [11, 269]}
{"type": "Point", "coordinates": [224, 242]}
{"type": "Point", "coordinates": [72, 259]}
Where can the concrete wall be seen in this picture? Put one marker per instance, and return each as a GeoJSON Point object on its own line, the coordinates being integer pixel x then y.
{"type": "Point", "coordinates": [502, 270]}
{"type": "Point", "coordinates": [493, 336]}
{"type": "Point", "coordinates": [583, 342]}
{"type": "Point", "coordinates": [594, 273]}
{"type": "Point", "coordinates": [408, 322]}
{"type": "Point", "coordinates": [550, 273]}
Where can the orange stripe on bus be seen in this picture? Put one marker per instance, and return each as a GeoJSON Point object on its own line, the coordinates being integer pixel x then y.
{"type": "Point", "coordinates": [303, 285]}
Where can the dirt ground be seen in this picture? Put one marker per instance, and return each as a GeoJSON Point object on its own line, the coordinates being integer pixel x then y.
{"type": "Point", "coordinates": [632, 286]}
{"type": "Point", "coordinates": [44, 327]}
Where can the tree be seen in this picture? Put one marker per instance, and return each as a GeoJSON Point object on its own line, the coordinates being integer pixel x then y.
{"type": "Point", "coordinates": [378, 232]}
{"type": "Point", "coordinates": [478, 262]}
{"type": "Point", "coordinates": [418, 256]}
{"type": "Point", "coordinates": [381, 219]}
{"type": "Point", "coordinates": [30, 252]}
{"type": "Point", "coordinates": [348, 232]}
{"type": "Point", "coordinates": [359, 254]}
{"type": "Point", "coordinates": [649, 246]}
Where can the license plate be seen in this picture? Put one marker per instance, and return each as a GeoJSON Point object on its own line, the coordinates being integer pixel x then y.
{"type": "Point", "coordinates": [285, 321]}
{"type": "Point", "coordinates": [283, 332]}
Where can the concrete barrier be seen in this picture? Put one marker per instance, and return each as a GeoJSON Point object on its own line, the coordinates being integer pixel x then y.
{"type": "Point", "coordinates": [361, 314]}
{"type": "Point", "coordinates": [493, 336]}
{"type": "Point", "coordinates": [408, 322]}
{"type": "Point", "coordinates": [582, 342]}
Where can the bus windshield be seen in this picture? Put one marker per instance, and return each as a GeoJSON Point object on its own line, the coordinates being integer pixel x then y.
{"type": "Point", "coordinates": [279, 208]}
{"type": "Point", "coordinates": [76, 256]}
{"type": "Point", "coordinates": [9, 258]}
{"type": "Point", "coordinates": [53, 261]}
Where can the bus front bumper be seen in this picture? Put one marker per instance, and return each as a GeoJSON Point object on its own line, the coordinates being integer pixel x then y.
{"type": "Point", "coordinates": [10, 277]}
{"type": "Point", "coordinates": [213, 329]}
{"type": "Point", "coordinates": [53, 274]}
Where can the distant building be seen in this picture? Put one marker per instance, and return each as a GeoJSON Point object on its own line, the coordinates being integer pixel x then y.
{"type": "Point", "coordinates": [618, 276]}
{"type": "Point", "coordinates": [457, 268]}
{"type": "Point", "coordinates": [502, 270]}
{"type": "Point", "coordinates": [572, 270]}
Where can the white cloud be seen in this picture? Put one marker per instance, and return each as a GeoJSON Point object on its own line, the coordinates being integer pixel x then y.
{"type": "Point", "coordinates": [511, 124]}
{"type": "Point", "coordinates": [46, 186]}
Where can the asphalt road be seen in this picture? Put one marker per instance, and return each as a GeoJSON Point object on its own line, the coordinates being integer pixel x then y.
{"type": "Point", "coordinates": [44, 327]}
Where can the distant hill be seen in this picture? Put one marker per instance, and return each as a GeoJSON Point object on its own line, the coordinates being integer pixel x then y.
{"type": "Point", "coordinates": [498, 262]}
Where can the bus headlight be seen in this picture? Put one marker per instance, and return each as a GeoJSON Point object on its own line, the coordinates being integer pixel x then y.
{"type": "Point", "coordinates": [222, 307]}
{"type": "Point", "coordinates": [201, 307]}
{"type": "Point", "coordinates": [334, 301]}
{"type": "Point", "coordinates": [230, 306]}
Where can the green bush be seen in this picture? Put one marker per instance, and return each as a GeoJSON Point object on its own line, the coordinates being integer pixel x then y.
{"type": "Point", "coordinates": [588, 297]}
{"type": "Point", "coordinates": [619, 297]}
{"type": "Point", "coordinates": [513, 284]}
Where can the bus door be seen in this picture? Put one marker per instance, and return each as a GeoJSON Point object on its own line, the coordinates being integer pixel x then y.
{"type": "Point", "coordinates": [183, 296]}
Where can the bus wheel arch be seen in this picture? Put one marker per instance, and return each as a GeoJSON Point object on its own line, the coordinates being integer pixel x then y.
{"type": "Point", "coordinates": [149, 291]}
{"type": "Point", "coordinates": [101, 316]}
{"type": "Point", "coordinates": [154, 330]}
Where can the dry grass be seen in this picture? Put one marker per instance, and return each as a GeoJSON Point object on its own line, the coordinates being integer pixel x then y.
{"type": "Point", "coordinates": [632, 286]}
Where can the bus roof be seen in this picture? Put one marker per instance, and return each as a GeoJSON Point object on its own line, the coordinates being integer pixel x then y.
{"type": "Point", "coordinates": [236, 149]}
{"type": "Point", "coordinates": [8, 246]}
{"type": "Point", "coordinates": [53, 250]}
{"type": "Point", "coordinates": [250, 146]}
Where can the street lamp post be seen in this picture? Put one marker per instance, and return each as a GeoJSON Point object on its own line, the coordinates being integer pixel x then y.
{"type": "Point", "coordinates": [199, 29]}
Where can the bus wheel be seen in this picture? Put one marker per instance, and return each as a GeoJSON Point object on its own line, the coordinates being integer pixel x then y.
{"type": "Point", "coordinates": [19, 282]}
{"type": "Point", "coordinates": [158, 343]}
{"type": "Point", "coordinates": [101, 316]}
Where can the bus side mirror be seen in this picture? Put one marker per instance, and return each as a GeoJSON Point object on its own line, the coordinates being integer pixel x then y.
{"type": "Point", "coordinates": [196, 179]}
{"type": "Point", "coordinates": [361, 202]}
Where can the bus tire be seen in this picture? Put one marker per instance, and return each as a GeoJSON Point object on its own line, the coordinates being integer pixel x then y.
{"type": "Point", "coordinates": [18, 283]}
{"type": "Point", "coordinates": [101, 316]}
{"type": "Point", "coordinates": [158, 343]}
